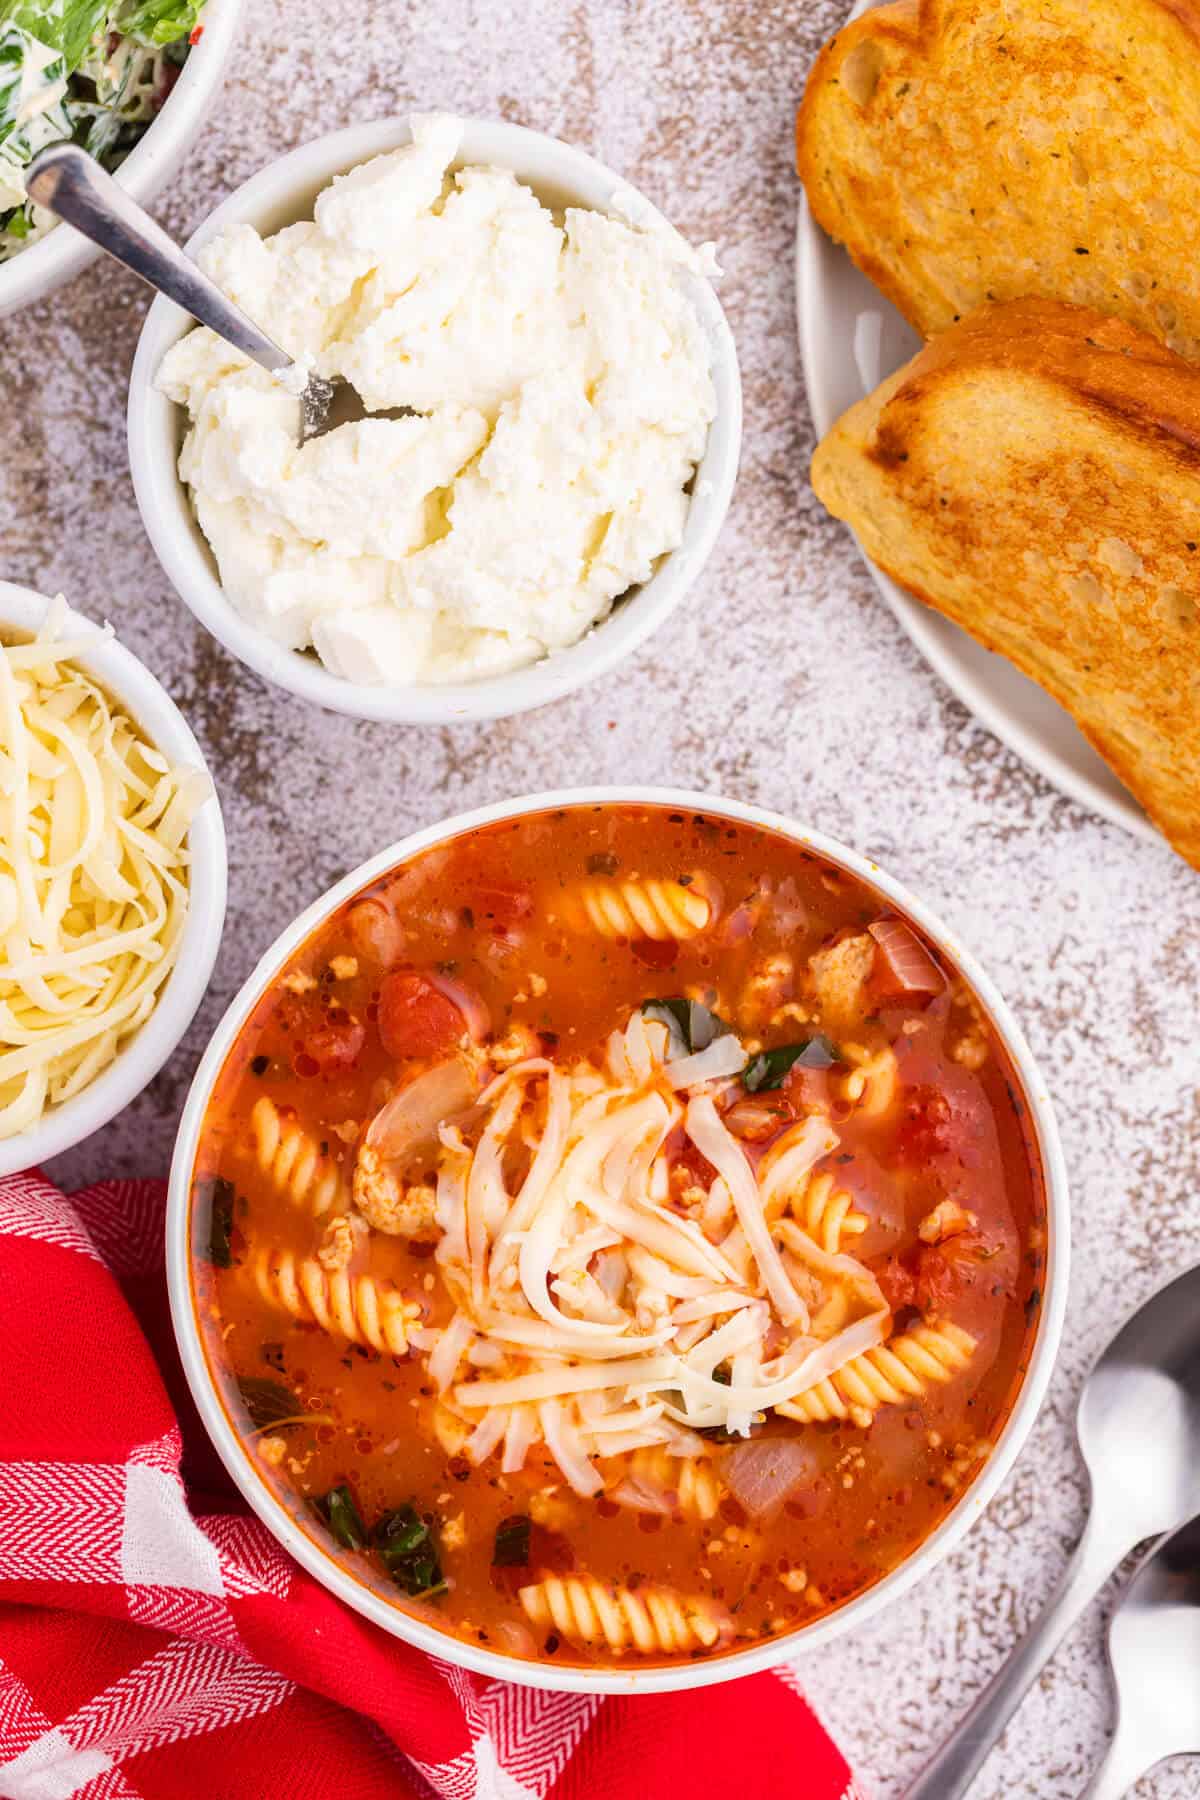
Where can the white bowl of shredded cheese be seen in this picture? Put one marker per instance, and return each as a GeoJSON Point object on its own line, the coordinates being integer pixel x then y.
{"type": "Point", "coordinates": [570, 448]}
{"type": "Point", "coordinates": [112, 877]}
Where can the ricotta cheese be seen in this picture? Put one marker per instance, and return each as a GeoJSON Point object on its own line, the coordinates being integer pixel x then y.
{"type": "Point", "coordinates": [559, 394]}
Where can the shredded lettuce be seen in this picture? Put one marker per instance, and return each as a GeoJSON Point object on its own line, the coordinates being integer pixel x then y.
{"type": "Point", "coordinates": [65, 25]}
{"type": "Point", "coordinates": [92, 71]}
{"type": "Point", "coordinates": [33, 86]}
{"type": "Point", "coordinates": [158, 22]}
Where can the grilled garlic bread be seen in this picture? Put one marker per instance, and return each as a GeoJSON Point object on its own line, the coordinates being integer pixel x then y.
{"type": "Point", "coordinates": [1034, 474]}
{"type": "Point", "coordinates": [973, 150]}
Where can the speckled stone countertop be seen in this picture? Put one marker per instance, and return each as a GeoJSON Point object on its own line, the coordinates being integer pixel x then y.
{"type": "Point", "coordinates": [784, 680]}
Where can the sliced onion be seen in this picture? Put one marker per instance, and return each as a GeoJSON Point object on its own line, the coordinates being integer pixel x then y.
{"type": "Point", "coordinates": [376, 932]}
{"type": "Point", "coordinates": [478, 1018]}
{"type": "Point", "coordinates": [724, 1056]}
{"type": "Point", "coordinates": [908, 964]}
{"type": "Point", "coordinates": [763, 1474]}
{"type": "Point", "coordinates": [611, 1270]}
{"type": "Point", "coordinates": [756, 1120]}
{"type": "Point", "coordinates": [641, 1495]}
{"type": "Point", "coordinates": [513, 1639]}
{"type": "Point", "coordinates": [409, 1122]}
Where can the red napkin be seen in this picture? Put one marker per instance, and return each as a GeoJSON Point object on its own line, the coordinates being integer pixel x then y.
{"type": "Point", "coordinates": [156, 1641]}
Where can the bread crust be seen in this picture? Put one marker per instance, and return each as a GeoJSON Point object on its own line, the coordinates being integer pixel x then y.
{"type": "Point", "coordinates": [1034, 475]}
{"type": "Point", "coordinates": [965, 151]}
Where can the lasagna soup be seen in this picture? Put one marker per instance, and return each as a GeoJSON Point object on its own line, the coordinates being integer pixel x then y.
{"type": "Point", "coordinates": [617, 1235]}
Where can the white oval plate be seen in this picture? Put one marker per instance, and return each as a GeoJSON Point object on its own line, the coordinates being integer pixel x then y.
{"type": "Point", "coordinates": [851, 339]}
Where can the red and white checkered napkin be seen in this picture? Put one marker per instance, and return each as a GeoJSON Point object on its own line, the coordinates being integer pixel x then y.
{"type": "Point", "coordinates": [156, 1641]}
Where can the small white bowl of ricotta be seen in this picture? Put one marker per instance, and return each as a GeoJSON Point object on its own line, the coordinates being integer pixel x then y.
{"type": "Point", "coordinates": [112, 895]}
{"type": "Point", "coordinates": [551, 439]}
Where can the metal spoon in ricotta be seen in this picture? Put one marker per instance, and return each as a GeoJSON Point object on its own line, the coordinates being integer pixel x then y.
{"type": "Point", "coordinates": [72, 185]}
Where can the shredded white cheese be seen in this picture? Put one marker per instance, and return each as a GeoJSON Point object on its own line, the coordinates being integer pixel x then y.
{"type": "Point", "coordinates": [93, 874]}
{"type": "Point", "coordinates": [593, 1318]}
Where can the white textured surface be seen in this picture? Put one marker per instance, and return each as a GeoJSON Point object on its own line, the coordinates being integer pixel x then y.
{"type": "Point", "coordinates": [785, 681]}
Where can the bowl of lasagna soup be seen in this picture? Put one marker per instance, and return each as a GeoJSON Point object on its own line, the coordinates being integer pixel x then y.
{"type": "Point", "coordinates": [616, 1239]}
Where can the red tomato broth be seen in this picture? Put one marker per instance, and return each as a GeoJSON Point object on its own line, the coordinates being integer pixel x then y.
{"type": "Point", "coordinates": [483, 911]}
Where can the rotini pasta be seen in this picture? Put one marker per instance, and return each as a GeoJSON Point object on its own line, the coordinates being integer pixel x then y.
{"type": "Point", "coordinates": [871, 1087]}
{"type": "Point", "coordinates": [649, 908]}
{"type": "Point", "coordinates": [294, 1162]}
{"type": "Point", "coordinates": [359, 1307]}
{"type": "Point", "coordinates": [692, 1479]}
{"type": "Point", "coordinates": [650, 1620]}
{"type": "Point", "coordinates": [828, 1213]}
{"type": "Point", "coordinates": [902, 1369]}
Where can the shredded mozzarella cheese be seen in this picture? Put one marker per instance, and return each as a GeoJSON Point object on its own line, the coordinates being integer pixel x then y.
{"type": "Point", "coordinates": [591, 1316]}
{"type": "Point", "coordinates": [93, 874]}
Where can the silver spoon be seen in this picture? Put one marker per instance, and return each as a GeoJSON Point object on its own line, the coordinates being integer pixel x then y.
{"type": "Point", "coordinates": [68, 182]}
{"type": "Point", "coordinates": [1154, 1650]}
{"type": "Point", "coordinates": [1139, 1433]}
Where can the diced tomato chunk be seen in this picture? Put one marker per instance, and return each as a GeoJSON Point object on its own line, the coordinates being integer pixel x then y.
{"type": "Point", "coordinates": [655, 953]}
{"type": "Point", "coordinates": [415, 1019]}
{"type": "Point", "coordinates": [945, 1272]}
{"type": "Point", "coordinates": [501, 905]}
{"type": "Point", "coordinates": [337, 1042]}
{"type": "Point", "coordinates": [926, 1131]}
{"type": "Point", "coordinates": [897, 1282]}
{"type": "Point", "coordinates": [689, 1168]}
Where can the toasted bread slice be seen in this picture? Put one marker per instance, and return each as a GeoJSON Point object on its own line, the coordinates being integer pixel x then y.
{"type": "Point", "coordinates": [974, 150]}
{"type": "Point", "coordinates": [1034, 474]}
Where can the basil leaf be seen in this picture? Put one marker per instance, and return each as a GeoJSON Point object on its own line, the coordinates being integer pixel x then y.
{"type": "Point", "coordinates": [511, 1549]}
{"type": "Point", "coordinates": [221, 1198]}
{"type": "Point", "coordinates": [339, 1512]}
{"type": "Point", "coordinates": [408, 1552]}
{"type": "Point", "coordinates": [270, 1404]}
{"type": "Point", "coordinates": [691, 1026]}
{"type": "Point", "coordinates": [769, 1069]}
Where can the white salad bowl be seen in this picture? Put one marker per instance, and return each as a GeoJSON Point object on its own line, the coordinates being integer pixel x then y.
{"type": "Point", "coordinates": [285, 1522]}
{"type": "Point", "coordinates": [131, 685]}
{"type": "Point", "coordinates": [286, 192]}
{"type": "Point", "coordinates": [62, 253]}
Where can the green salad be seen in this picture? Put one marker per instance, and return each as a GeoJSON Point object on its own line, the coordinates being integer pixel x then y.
{"type": "Point", "coordinates": [94, 71]}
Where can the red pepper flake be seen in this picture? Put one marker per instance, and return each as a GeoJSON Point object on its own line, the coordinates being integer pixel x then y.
{"type": "Point", "coordinates": [196, 35]}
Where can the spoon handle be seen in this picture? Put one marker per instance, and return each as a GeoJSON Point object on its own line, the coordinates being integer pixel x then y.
{"type": "Point", "coordinates": [67, 181]}
{"type": "Point", "coordinates": [953, 1768]}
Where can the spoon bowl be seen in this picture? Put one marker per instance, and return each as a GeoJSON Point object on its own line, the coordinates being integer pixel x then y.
{"type": "Point", "coordinates": [1139, 1416]}
{"type": "Point", "coordinates": [1154, 1654]}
